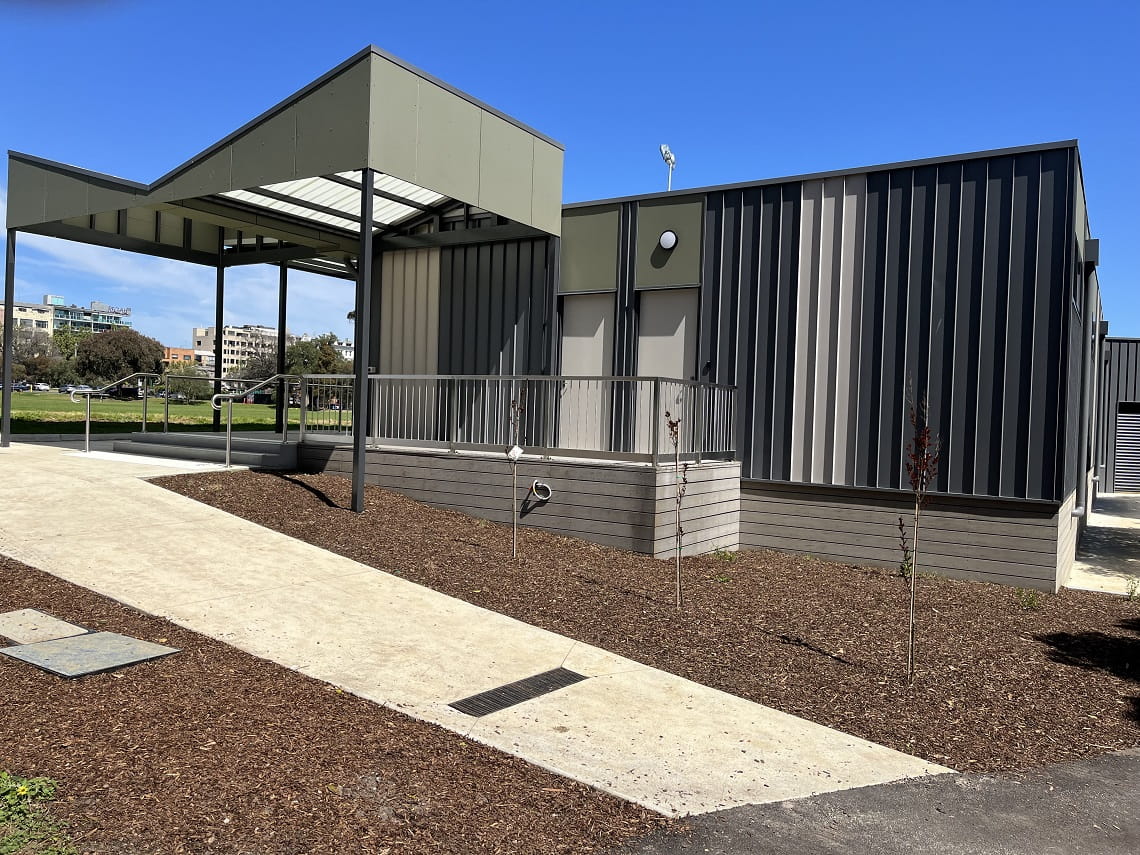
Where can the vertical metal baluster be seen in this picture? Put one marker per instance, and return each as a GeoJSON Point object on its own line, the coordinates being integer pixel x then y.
{"type": "Point", "coordinates": [229, 427]}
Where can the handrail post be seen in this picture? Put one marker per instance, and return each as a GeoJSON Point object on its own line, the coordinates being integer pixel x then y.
{"type": "Point", "coordinates": [229, 427]}
{"type": "Point", "coordinates": [655, 446]}
{"type": "Point", "coordinates": [283, 391]}
{"type": "Point", "coordinates": [87, 427]}
{"type": "Point", "coordinates": [145, 388]}
{"type": "Point", "coordinates": [453, 415]}
{"type": "Point", "coordinates": [166, 404]}
{"type": "Point", "coordinates": [303, 398]}
{"type": "Point", "coordinates": [700, 403]}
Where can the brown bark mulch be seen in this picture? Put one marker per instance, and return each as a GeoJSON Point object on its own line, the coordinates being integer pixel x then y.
{"type": "Point", "coordinates": [215, 751]}
{"type": "Point", "coordinates": [1006, 679]}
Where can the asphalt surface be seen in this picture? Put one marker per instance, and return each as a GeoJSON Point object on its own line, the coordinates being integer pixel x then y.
{"type": "Point", "coordinates": [1090, 807]}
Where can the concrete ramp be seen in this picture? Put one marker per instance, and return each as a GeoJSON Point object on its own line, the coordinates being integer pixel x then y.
{"type": "Point", "coordinates": [651, 737]}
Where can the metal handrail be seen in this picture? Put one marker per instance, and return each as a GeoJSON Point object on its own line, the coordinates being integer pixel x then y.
{"type": "Point", "coordinates": [197, 378]}
{"type": "Point", "coordinates": [216, 400]}
{"type": "Point", "coordinates": [608, 416]}
{"type": "Point", "coordinates": [101, 391]}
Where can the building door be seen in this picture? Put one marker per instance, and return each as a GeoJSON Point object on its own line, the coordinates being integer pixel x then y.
{"type": "Point", "coordinates": [667, 333]}
{"type": "Point", "coordinates": [1126, 460]}
{"type": "Point", "coordinates": [584, 406]}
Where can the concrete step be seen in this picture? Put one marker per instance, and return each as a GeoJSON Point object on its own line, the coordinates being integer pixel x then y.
{"type": "Point", "coordinates": [192, 439]}
{"type": "Point", "coordinates": [268, 453]}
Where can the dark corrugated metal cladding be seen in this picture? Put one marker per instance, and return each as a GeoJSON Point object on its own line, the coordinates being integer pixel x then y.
{"type": "Point", "coordinates": [495, 308]}
{"type": "Point", "coordinates": [1121, 384]}
{"type": "Point", "coordinates": [833, 304]}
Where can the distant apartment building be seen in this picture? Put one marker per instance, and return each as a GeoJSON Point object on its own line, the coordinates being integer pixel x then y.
{"type": "Point", "coordinates": [345, 349]}
{"type": "Point", "coordinates": [30, 316]}
{"type": "Point", "coordinates": [173, 355]}
{"type": "Point", "coordinates": [242, 343]}
{"type": "Point", "coordinates": [239, 344]}
{"type": "Point", "coordinates": [97, 317]}
{"type": "Point", "coordinates": [53, 313]}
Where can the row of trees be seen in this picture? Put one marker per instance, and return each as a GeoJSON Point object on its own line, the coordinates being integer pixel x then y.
{"type": "Point", "coordinates": [78, 356]}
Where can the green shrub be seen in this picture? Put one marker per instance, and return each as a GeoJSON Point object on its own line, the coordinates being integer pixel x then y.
{"type": "Point", "coordinates": [24, 825]}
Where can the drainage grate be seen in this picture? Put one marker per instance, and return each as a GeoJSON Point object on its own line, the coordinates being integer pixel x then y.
{"type": "Point", "coordinates": [494, 700]}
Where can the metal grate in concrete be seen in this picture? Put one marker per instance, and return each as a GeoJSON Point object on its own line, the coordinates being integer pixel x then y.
{"type": "Point", "coordinates": [526, 689]}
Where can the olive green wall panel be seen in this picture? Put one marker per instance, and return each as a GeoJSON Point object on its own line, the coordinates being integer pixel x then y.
{"type": "Point", "coordinates": [266, 154]}
{"type": "Point", "coordinates": [589, 251]}
{"type": "Point", "coordinates": [503, 187]}
{"type": "Point", "coordinates": [656, 267]}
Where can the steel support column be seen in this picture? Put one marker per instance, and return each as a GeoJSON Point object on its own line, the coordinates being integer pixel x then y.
{"type": "Point", "coordinates": [362, 332]}
{"type": "Point", "coordinates": [282, 386]}
{"type": "Point", "coordinates": [219, 304]}
{"type": "Point", "coordinates": [9, 344]}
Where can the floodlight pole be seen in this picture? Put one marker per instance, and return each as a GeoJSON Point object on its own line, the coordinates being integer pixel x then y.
{"type": "Point", "coordinates": [361, 332]}
{"type": "Point", "coordinates": [669, 180]}
{"type": "Point", "coordinates": [9, 344]}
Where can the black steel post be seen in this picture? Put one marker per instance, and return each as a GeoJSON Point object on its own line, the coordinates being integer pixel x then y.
{"type": "Point", "coordinates": [219, 304]}
{"type": "Point", "coordinates": [282, 386]}
{"type": "Point", "coordinates": [9, 344]}
{"type": "Point", "coordinates": [362, 331]}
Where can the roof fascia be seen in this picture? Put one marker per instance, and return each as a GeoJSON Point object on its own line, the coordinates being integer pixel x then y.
{"type": "Point", "coordinates": [834, 173]}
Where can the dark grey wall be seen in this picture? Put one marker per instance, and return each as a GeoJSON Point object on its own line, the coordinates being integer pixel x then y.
{"type": "Point", "coordinates": [1121, 382]}
{"type": "Point", "coordinates": [496, 308]}
{"type": "Point", "coordinates": [824, 299]}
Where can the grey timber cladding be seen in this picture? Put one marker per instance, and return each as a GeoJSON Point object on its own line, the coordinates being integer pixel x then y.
{"type": "Point", "coordinates": [495, 308]}
{"type": "Point", "coordinates": [626, 506]}
{"type": "Point", "coordinates": [1025, 544]}
{"type": "Point", "coordinates": [1121, 384]}
{"type": "Point", "coordinates": [829, 301]}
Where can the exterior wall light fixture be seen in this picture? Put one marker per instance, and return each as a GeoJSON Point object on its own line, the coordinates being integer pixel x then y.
{"type": "Point", "coordinates": [668, 239]}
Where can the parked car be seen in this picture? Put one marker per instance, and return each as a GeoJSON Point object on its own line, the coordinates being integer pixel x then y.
{"type": "Point", "coordinates": [19, 386]}
{"type": "Point", "coordinates": [42, 387]}
{"type": "Point", "coordinates": [85, 389]}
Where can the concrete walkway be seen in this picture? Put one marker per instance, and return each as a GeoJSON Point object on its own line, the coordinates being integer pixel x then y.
{"type": "Point", "coordinates": [642, 734]}
{"type": "Point", "coordinates": [1108, 557]}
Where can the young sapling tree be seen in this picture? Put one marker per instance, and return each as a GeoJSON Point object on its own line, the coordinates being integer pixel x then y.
{"type": "Point", "coordinates": [682, 486]}
{"type": "Point", "coordinates": [922, 453]}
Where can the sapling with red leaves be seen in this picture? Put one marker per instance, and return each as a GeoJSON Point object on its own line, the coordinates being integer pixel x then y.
{"type": "Point", "coordinates": [682, 475]}
{"type": "Point", "coordinates": [922, 454]}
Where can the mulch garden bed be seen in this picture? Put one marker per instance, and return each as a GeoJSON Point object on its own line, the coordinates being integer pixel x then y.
{"type": "Point", "coordinates": [212, 751]}
{"type": "Point", "coordinates": [1006, 679]}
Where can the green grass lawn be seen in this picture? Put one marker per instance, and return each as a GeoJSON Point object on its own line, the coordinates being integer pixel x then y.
{"type": "Point", "coordinates": [51, 412]}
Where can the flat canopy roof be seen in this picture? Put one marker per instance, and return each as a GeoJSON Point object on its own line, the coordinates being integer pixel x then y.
{"type": "Point", "coordinates": [287, 185]}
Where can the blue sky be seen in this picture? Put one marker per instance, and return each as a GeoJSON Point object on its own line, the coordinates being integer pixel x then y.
{"type": "Point", "coordinates": [740, 91]}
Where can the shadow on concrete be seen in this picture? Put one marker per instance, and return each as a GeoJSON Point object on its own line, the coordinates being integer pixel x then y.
{"type": "Point", "coordinates": [1117, 505]}
{"type": "Point", "coordinates": [1118, 655]}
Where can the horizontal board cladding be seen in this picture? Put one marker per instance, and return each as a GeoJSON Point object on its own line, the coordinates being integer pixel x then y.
{"type": "Point", "coordinates": [608, 503]}
{"type": "Point", "coordinates": [833, 304]}
{"type": "Point", "coordinates": [710, 509]}
{"type": "Point", "coordinates": [1068, 535]}
{"type": "Point", "coordinates": [989, 540]}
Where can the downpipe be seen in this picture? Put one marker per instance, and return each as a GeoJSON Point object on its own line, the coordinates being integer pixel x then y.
{"type": "Point", "coordinates": [1083, 456]}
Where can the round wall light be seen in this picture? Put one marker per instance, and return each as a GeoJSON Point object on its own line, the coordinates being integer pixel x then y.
{"type": "Point", "coordinates": [668, 239]}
